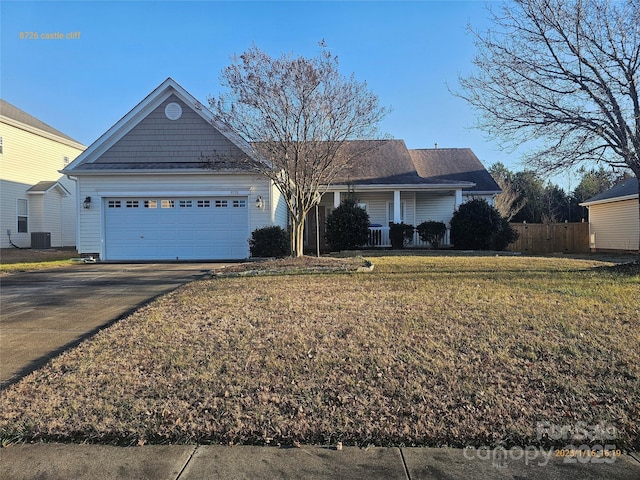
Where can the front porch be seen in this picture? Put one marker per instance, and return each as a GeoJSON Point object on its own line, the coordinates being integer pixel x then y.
{"type": "Point", "coordinates": [379, 238]}
{"type": "Point", "coordinates": [388, 206]}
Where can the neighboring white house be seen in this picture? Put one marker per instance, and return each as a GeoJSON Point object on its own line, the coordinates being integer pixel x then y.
{"type": "Point", "coordinates": [168, 182]}
{"type": "Point", "coordinates": [613, 218]}
{"type": "Point", "coordinates": [36, 202]}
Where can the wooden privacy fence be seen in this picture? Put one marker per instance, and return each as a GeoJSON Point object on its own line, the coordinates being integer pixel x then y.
{"type": "Point", "coordinates": [551, 238]}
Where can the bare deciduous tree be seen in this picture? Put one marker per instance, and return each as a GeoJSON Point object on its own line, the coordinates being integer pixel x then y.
{"type": "Point", "coordinates": [510, 201]}
{"type": "Point", "coordinates": [566, 73]}
{"type": "Point", "coordinates": [297, 114]}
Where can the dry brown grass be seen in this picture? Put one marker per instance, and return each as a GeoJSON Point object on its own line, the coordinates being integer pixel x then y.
{"type": "Point", "coordinates": [19, 260]}
{"type": "Point", "coordinates": [422, 351]}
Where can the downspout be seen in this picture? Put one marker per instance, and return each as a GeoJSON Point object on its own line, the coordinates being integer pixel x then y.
{"type": "Point", "coordinates": [75, 180]}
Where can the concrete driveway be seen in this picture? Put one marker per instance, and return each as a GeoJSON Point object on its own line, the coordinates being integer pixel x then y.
{"type": "Point", "coordinates": [47, 311]}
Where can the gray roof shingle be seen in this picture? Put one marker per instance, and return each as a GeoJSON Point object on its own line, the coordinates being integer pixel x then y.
{"type": "Point", "coordinates": [388, 162]}
{"type": "Point", "coordinates": [378, 162]}
{"type": "Point", "coordinates": [14, 113]}
{"type": "Point", "coordinates": [624, 189]}
{"type": "Point", "coordinates": [453, 164]}
{"type": "Point", "coordinates": [45, 186]}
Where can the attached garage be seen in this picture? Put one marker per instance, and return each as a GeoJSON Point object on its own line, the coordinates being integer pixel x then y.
{"type": "Point", "coordinates": [176, 228]}
{"type": "Point", "coordinates": [168, 182]}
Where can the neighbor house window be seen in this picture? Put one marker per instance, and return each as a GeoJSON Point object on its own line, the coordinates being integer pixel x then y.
{"type": "Point", "coordinates": [23, 216]}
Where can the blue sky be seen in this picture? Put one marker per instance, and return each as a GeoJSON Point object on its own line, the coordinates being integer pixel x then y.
{"type": "Point", "coordinates": [113, 53]}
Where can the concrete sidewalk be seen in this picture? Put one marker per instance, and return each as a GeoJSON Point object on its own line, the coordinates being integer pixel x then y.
{"type": "Point", "coordinates": [190, 462]}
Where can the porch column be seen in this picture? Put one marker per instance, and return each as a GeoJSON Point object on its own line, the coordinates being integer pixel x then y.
{"type": "Point", "coordinates": [396, 206]}
{"type": "Point", "coordinates": [458, 199]}
{"type": "Point", "coordinates": [336, 199]}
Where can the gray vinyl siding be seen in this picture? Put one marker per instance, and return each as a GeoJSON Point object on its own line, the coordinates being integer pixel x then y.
{"type": "Point", "coordinates": [156, 139]}
{"type": "Point", "coordinates": [615, 225]}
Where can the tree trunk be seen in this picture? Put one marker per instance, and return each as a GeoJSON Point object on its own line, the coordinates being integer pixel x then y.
{"type": "Point", "coordinates": [297, 237]}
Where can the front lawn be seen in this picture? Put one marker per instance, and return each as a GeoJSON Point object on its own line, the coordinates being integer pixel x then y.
{"type": "Point", "coordinates": [14, 260]}
{"type": "Point", "coordinates": [424, 350]}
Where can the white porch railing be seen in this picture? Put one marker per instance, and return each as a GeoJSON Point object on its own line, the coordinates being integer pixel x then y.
{"type": "Point", "coordinates": [379, 237]}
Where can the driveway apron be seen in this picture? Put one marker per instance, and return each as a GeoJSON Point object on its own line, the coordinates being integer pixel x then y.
{"type": "Point", "coordinates": [45, 312]}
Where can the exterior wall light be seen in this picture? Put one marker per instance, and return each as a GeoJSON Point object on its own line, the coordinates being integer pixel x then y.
{"type": "Point", "coordinates": [259, 202]}
{"type": "Point", "coordinates": [87, 202]}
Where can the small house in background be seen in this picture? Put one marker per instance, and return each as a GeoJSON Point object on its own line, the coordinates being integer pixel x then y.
{"type": "Point", "coordinates": [613, 218]}
{"type": "Point", "coordinates": [37, 203]}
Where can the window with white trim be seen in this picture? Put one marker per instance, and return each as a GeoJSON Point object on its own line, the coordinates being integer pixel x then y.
{"type": "Point", "coordinates": [23, 215]}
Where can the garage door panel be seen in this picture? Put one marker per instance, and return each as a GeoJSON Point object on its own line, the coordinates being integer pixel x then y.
{"type": "Point", "coordinates": [186, 228]}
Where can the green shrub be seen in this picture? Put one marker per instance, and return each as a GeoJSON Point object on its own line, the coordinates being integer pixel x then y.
{"type": "Point", "coordinates": [400, 234]}
{"type": "Point", "coordinates": [506, 235]}
{"type": "Point", "coordinates": [476, 225]}
{"type": "Point", "coordinates": [347, 226]}
{"type": "Point", "coordinates": [432, 232]}
{"type": "Point", "coordinates": [270, 242]}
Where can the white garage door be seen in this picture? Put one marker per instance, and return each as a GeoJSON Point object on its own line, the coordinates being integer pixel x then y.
{"type": "Point", "coordinates": [202, 228]}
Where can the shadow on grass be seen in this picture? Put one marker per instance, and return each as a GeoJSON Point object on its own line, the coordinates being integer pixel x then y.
{"type": "Point", "coordinates": [624, 269]}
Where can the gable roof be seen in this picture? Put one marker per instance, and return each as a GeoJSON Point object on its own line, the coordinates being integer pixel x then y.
{"type": "Point", "coordinates": [454, 164]}
{"type": "Point", "coordinates": [623, 191]}
{"type": "Point", "coordinates": [43, 187]}
{"type": "Point", "coordinates": [379, 163]}
{"type": "Point", "coordinates": [18, 118]}
{"type": "Point", "coordinates": [388, 162]}
{"type": "Point", "coordinates": [98, 157]}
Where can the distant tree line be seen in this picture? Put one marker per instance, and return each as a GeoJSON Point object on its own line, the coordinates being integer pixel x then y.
{"type": "Point", "coordinates": [527, 197]}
